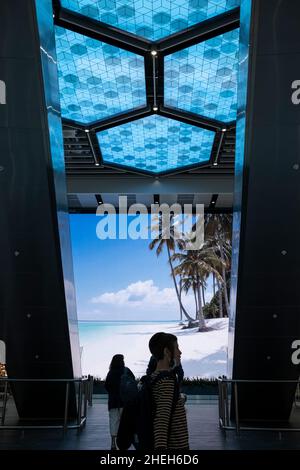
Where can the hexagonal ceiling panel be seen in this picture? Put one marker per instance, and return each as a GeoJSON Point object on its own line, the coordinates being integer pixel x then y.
{"type": "Point", "coordinates": [156, 144]}
{"type": "Point", "coordinates": [203, 78]}
{"type": "Point", "coordinates": [152, 19]}
{"type": "Point", "coordinates": [97, 80]}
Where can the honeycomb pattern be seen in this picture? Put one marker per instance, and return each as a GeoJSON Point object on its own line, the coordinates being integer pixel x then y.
{"type": "Point", "coordinates": [152, 19]}
{"type": "Point", "coordinates": [97, 80]}
{"type": "Point", "coordinates": [155, 144]}
{"type": "Point", "coordinates": [203, 78]}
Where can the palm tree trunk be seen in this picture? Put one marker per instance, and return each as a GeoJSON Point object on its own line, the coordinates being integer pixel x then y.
{"type": "Point", "coordinates": [201, 320]}
{"type": "Point", "coordinates": [203, 295]}
{"type": "Point", "coordinates": [220, 299]}
{"type": "Point", "coordinates": [224, 280]}
{"type": "Point", "coordinates": [176, 288]}
{"type": "Point", "coordinates": [196, 301]}
{"type": "Point", "coordinates": [180, 303]}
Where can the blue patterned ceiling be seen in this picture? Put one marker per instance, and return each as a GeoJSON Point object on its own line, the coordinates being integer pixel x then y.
{"type": "Point", "coordinates": [155, 144]}
{"type": "Point", "coordinates": [152, 19]}
{"type": "Point", "coordinates": [97, 80]}
{"type": "Point", "coordinates": [203, 78]}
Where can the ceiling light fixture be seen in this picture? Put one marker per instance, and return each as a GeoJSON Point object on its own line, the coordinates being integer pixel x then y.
{"type": "Point", "coordinates": [224, 130]}
{"type": "Point", "coordinates": [86, 130]}
{"type": "Point", "coordinates": [213, 201]}
{"type": "Point", "coordinates": [156, 198]}
{"type": "Point", "coordinates": [155, 108]}
{"type": "Point", "coordinates": [99, 199]}
{"type": "Point", "coordinates": [154, 52]}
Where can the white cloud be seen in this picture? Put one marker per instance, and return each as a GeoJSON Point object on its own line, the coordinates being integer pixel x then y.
{"type": "Point", "coordinates": [141, 300]}
{"type": "Point", "coordinates": [139, 294]}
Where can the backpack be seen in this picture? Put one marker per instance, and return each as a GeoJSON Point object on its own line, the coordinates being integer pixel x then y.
{"type": "Point", "coordinates": [136, 424]}
{"type": "Point", "coordinates": [128, 386]}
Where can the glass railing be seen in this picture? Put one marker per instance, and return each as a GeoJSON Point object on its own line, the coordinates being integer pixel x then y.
{"type": "Point", "coordinates": [229, 398]}
{"type": "Point", "coordinates": [84, 396]}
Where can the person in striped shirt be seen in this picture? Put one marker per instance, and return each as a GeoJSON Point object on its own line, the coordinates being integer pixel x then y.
{"type": "Point", "coordinates": [170, 423]}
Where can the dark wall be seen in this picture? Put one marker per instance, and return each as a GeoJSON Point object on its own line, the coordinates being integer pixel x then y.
{"type": "Point", "coordinates": [265, 316]}
{"type": "Point", "coordinates": [37, 299]}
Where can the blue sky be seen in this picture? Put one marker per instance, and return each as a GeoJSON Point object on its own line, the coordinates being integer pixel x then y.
{"type": "Point", "coordinates": [120, 279]}
{"type": "Point", "coordinates": [107, 268]}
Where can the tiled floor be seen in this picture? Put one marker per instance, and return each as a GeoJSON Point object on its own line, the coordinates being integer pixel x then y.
{"type": "Point", "coordinates": [204, 433]}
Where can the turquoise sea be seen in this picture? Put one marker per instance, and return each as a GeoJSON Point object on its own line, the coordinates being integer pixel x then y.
{"type": "Point", "coordinates": [92, 327]}
{"type": "Point", "coordinates": [100, 340]}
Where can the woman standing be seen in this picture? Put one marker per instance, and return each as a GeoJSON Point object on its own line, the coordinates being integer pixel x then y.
{"type": "Point", "coordinates": [115, 403]}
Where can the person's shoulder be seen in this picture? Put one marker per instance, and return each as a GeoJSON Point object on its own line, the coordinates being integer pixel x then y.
{"type": "Point", "coordinates": [163, 377]}
{"type": "Point", "coordinates": [108, 377]}
{"type": "Point", "coordinates": [128, 371]}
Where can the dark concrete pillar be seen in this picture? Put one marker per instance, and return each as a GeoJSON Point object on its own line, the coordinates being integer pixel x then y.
{"type": "Point", "coordinates": [265, 316]}
{"type": "Point", "coordinates": [37, 298]}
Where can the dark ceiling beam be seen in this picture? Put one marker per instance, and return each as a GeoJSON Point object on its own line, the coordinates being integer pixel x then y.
{"type": "Point", "coordinates": [216, 157]}
{"type": "Point", "coordinates": [74, 125]}
{"type": "Point", "coordinates": [97, 161]}
{"type": "Point", "coordinates": [101, 31]}
{"type": "Point", "coordinates": [149, 79]}
{"type": "Point", "coordinates": [119, 119]}
{"type": "Point", "coordinates": [183, 169]}
{"type": "Point", "coordinates": [192, 119]}
{"type": "Point", "coordinates": [200, 32]}
{"type": "Point", "coordinates": [131, 183]}
{"type": "Point", "coordinates": [87, 161]}
{"type": "Point", "coordinates": [92, 210]}
{"type": "Point", "coordinates": [128, 169]}
{"type": "Point", "coordinates": [160, 80]}
{"type": "Point", "coordinates": [150, 174]}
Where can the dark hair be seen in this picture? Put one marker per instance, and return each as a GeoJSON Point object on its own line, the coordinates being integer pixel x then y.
{"type": "Point", "coordinates": [117, 362]}
{"type": "Point", "coordinates": [151, 366]}
{"type": "Point", "coordinates": [159, 342]}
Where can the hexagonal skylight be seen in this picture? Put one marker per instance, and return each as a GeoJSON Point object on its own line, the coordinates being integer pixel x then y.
{"type": "Point", "coordinates": [97, 80]}
{"type": "Point", "coordinates": [155, 144]}
{"type": "Point", "coordinates": [152, 19]}
{"type": "Point", "coordinates": [203, 78]}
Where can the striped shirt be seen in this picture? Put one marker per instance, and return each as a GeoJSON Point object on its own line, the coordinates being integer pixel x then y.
{"type": "Point", "coordinates": [169, 432]}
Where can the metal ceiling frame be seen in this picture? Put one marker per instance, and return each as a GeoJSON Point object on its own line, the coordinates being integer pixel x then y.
{"type": "Point", "coordinates": [154, 75]}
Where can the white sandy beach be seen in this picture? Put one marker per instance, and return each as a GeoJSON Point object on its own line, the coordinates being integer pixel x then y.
{"type": "Point", "coordinates": [203, 354]}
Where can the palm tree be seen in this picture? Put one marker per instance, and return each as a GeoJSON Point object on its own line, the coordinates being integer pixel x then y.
{"type": "Point", "coordinates": [170, 240]}
{"type": "Point", "coordinates": [220, 299]}
{"type": "Point", "coordinates": [180, 296]}
{"type": "Point", "coordinates": [188, 283]}
{"type": "Point", "coordinates": [195, 266]}
{"type": "Point", "coordinates": [218, 229]}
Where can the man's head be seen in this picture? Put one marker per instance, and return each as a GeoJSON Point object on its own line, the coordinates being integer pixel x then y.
{"type": "Point", "coordinates": [165, 346]}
